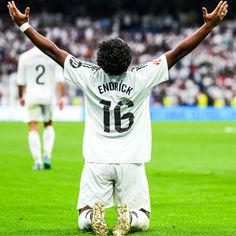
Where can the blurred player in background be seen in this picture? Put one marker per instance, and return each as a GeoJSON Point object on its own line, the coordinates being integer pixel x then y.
{"type": "Point", "coordinates": [117, 139]}
{"type": "Point", "coordinates": [40, 81]}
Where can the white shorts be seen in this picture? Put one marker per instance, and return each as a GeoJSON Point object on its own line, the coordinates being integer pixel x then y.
{"type": "Point", "coordinates": [114, 184]}
{"type": "Point", "coordinates": [37, 112]}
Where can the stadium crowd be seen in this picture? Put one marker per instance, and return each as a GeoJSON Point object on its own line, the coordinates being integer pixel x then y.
{"type": "Point", "coordinates": [206, 77]}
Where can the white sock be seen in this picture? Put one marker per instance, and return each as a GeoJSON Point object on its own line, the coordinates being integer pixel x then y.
{"type": "Point", "coordinates": [48, 140]}
{"type": "Point", "coordinates": [35, 146]}
{"type": "Point", "coordinates": [85, 220]}
{"type": "Point", "coordinates": [140, 221]}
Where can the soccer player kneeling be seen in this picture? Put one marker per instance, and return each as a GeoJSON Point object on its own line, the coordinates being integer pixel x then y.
{"type": "Point", "coordinates": [117, 138]}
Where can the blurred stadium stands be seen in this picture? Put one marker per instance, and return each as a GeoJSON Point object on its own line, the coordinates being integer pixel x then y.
{"type": "Point", "coordinates": [98, 8]}
{"type": "Point", "coordinates": [206, 77]}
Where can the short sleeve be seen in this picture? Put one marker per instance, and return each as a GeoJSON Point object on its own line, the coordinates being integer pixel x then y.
{"type": "Point", "coordinates": [21, 72]}
{"type": "Point", "coordinates": [78, 71]}
{"type": "Point", "coordinates": [155, 72]}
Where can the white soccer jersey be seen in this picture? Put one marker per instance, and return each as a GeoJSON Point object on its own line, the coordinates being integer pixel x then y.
{"type": "Point", "coordinates": [39, 74]}
{"type": "Point", "coordinates": [118, 125]}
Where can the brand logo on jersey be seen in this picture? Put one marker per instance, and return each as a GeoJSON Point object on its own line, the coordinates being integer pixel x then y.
{"type": "Point", "coordinates": [75, 63]}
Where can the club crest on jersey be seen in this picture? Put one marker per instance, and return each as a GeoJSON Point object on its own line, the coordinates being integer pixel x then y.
{"type": "Point", "coordinates": [157, 62]}
{"type": "Point", "coordinates": [75, 63]}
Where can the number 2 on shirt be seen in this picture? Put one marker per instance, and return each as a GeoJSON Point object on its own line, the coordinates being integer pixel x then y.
{"type": "Point", "coordinates": [40, 70]}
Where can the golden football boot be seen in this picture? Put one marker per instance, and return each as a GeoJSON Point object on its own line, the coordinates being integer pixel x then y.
{"type": "Point", "coordinates": [99, 225]}
{"type": "Point", "coordinates": [122, 226]}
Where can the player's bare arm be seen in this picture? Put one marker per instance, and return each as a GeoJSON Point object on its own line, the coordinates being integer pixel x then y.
{"type": "Point", "coordinates": [44, 44]}
{"type": "Point", "coordinates": [21, 90]}
{"type": "Point", "coordinates": [190, 43]}
{"type": "Point", "coordinates": [61, 90]}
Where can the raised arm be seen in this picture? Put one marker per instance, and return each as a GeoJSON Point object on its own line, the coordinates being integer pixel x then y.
{"type": "Point", "coordinates": [44, 44]}
{"type": "Point", "coordinates": [191, 42]}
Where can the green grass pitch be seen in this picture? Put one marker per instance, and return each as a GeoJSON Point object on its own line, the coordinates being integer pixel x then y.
{"type": "Point", "coordinates": [192, 180]}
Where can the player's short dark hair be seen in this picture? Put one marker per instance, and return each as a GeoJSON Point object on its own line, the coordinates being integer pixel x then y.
{"type": "Point", "coordinates": [114, 56]}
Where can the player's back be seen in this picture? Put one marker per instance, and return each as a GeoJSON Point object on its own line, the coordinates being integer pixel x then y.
{"type": "Point", "coordinates": [117, 110]}
{"type": "Point", "coordinates": [39, 74]}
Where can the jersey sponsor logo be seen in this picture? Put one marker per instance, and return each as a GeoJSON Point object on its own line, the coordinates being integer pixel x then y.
{"type": "Point", "coordinates": [75, 63]}
{"type": "Point", "coordinates": [115, 87]}
{"type": "Point", "coordinates": [138, 67]}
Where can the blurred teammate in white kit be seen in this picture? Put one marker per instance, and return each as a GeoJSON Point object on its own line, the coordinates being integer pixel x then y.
{"type": "Point", "coordinates": [40, 81]}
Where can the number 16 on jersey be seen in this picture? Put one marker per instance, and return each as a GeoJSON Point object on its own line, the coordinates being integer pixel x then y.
{"type": "Point", "coordinates": [117, 115]}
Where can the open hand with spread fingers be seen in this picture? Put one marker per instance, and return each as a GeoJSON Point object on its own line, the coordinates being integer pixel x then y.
{"type": "Point", "coordinates": [18, 17]}
{"type": "Point", "coordinates": [214, 18]}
